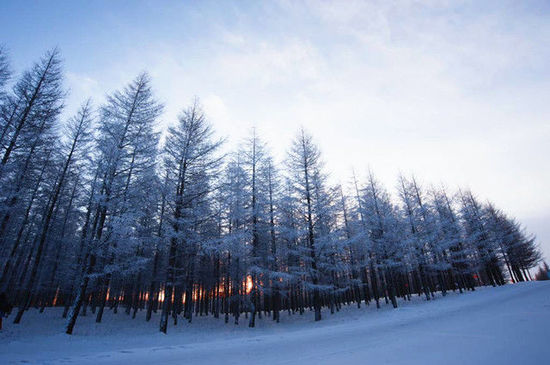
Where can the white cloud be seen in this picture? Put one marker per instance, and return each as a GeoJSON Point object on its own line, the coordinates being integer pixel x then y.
{"type": "Point", "coordinates": [269, 63]}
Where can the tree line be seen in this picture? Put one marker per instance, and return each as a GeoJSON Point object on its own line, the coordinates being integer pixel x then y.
{"type": "Point", "coordinates": [96, 212]}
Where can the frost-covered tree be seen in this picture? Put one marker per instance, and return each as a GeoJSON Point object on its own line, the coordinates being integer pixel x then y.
{"type": "Point", "coordinates": [451, 243]}
{"type": "Point", "coordinates": [32, 107]}
{"type": "Point", "coordinates": [28, 121]}
{"type": "Point", "coordinates": [259, 184]}
{"type": "Point", "coordinates": [517, 249]}
{"type": "Point", "coordinates": [238, 237]}
{"type": "Point", "coordinates": [78, 138]}
{"type": "Point", "coordinates": [192, 161]}
{"type": "Point", "coordinates": [314, 218]}
{"type": "Point", "coordinates": [127, 145]}
{"type": "Point", "coordinates": [486, 260]}
{"type": "Point", "coordinates": [382, 225]}
{"type": "Point", "coordinates": [5, 72]}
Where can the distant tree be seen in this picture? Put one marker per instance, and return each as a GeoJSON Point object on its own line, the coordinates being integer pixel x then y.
{"type": "Point", "coordinates": [543, 273]}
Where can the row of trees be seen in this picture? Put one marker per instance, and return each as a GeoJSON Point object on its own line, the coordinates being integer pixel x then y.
{"type": "Point", "coordinates": [96, 212]}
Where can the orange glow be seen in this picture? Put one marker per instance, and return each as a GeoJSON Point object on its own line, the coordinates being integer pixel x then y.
{"type": "Point", "coordinates": [249, 284]}
{"type": "Point", "coordinates": [221, 289]}
{"type": "Point", "coordinates": [55, 298]}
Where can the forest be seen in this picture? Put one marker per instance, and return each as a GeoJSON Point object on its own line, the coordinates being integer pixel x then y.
{"type": "Point", "coordinates": [107, 211]}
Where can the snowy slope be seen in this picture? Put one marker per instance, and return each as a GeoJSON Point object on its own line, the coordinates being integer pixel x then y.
{"type": "Point", "coordinates": [505, 325]}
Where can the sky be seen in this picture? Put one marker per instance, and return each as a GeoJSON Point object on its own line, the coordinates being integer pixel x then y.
{"type": "Point", "coordinates": [454, 92]}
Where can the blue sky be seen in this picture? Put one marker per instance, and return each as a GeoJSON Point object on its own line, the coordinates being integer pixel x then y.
{"type": "Point", "coordinates": [455, 91]}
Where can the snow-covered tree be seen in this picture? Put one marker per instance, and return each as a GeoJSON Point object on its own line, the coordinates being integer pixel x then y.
{"type": "Point", "coordinates": [192, 161]}
{"type": "Point", "coordinates": [127, 145]}
{"type": "Point", "coordinates": [314, 221]}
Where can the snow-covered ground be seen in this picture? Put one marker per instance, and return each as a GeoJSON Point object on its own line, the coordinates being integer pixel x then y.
{"type": "Point", "coordinates": [506, 325]}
